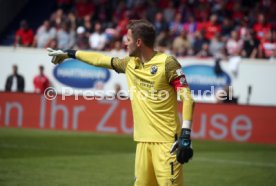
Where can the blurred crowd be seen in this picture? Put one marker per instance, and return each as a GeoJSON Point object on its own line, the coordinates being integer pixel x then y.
{"type": "Point", "coordinates": [202, 28]}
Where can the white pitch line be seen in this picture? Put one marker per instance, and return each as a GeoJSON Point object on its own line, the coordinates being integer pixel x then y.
{"type": "Point", "coordinates": [237, 162]}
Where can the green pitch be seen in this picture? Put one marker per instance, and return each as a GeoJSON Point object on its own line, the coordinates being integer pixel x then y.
{"type": "Point", "coordinates": [47, 158]}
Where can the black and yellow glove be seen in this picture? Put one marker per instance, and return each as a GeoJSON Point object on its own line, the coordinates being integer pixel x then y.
{"type": "Point", "coordinates": [182, 146]}
{"type": "Point", "coordinates": [60, 55]}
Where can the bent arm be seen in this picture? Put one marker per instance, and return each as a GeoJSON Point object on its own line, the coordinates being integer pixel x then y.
{"type": "Point", "coordinates": [178, 80]}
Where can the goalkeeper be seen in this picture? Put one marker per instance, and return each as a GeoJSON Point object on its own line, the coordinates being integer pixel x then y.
{"type": "Point", "coordinates": [155, 79]}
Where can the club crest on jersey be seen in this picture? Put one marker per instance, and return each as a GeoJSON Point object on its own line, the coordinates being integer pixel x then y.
{"type": "Point", "coordinates": [179, 72]}
{"type": "Point", "coordinates": [153, 69]}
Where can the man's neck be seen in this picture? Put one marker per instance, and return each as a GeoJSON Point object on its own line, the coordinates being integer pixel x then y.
{"type": "Point", "coordinates": [146, 55]}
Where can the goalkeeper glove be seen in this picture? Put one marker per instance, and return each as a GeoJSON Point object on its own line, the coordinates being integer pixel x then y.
{"type": "Point", "coordinates": [182, 146]}
{"type": "Point", "coordinates": [60, 55]}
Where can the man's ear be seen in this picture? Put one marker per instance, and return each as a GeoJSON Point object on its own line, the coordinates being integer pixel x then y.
{"type": "Point", "coordinates": [139, 42]}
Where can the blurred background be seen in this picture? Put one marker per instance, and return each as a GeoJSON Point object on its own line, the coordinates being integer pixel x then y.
{"type": "Point", "coordinates": [56, 136]}
{"type": "Point", "coordinates": [231, 43]}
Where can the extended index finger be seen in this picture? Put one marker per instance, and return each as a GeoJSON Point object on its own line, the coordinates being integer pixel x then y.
{"type": "Point", "coordinates": [50, 50]}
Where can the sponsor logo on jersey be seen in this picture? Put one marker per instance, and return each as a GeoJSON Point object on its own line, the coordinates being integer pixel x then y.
{"type": "Point", "coordinates": [153, 69]}
{"type": "Point", "coordinates": [143, 82]}
{"type": "Point", "coordinates": [76, 74]}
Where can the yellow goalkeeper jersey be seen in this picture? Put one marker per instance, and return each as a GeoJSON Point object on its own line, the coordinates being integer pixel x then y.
{"type": "Point", "coordinates": [153, 99]}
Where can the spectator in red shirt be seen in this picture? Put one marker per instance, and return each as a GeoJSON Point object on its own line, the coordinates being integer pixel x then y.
{"type": "Point", "coordinates": [122, 25]}
{"type": "Point", "coordinates": [41, 82]}
{"type": "Point", "coordinates": [261, 27]}
{"type": "Point", "coordinates": [212, 27]}
{"type": "Point", "coordinates": [24, 35]}
{"type": "Point", "coordinates": [267, 47]}
{"type": "Point", "coordinates": [84, 7]}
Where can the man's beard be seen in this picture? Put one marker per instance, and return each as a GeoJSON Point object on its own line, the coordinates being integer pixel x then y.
{"type": "Point", "coordinates": [134, 53]}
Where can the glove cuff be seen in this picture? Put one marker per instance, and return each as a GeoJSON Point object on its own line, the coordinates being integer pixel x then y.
{"type": "Point", "coordinates": [186, 133]}
{"type": "Point", "coordinates": [187, 124]}
{"type": "Point", "coordinates": [71, 53]}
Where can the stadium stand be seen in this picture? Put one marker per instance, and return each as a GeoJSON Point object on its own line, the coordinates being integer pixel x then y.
{"type": "Point", "coordinates": [202, 28]}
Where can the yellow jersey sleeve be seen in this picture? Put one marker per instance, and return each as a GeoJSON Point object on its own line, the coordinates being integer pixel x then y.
{"type": "Point", "coordinates": [176, 78]}
{"type": "Point", "coordinates": [101, 60]}
{"type": "Point", "coordinates": [94, 58]}
{"type": "Point", "coordinates": [171, 67]}
{"type": "Point", "coordinates": [119, 65]}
